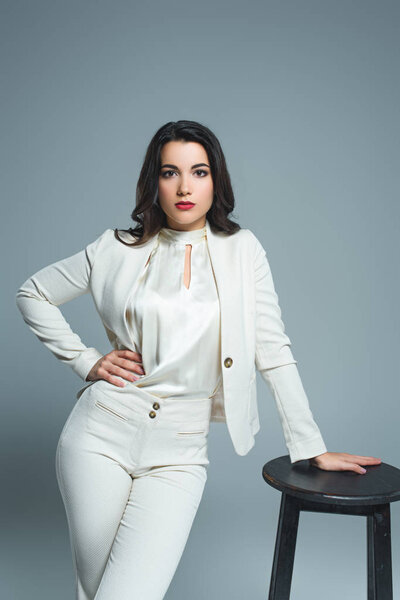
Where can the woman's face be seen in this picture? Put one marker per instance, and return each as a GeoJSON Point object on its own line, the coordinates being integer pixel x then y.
{"type": "Point", "coordinates": [185, 175]}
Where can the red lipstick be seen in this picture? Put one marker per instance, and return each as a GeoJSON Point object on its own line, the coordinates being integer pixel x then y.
{"type": "Point", "coordinates": [184, 205]}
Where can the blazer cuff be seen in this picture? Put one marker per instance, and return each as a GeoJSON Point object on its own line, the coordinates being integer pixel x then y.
{"type": "Point", "coordinates": [306, 449]}
{"type": "Point", "coordinates": [84, 362]}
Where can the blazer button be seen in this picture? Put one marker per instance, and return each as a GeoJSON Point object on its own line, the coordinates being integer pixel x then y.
{"type": "Point", "coordinates": [156, 405]}
{"type": "Point", "coordinates": [152, 414]}
{"type": "Point", "coordinates": [228, 362]}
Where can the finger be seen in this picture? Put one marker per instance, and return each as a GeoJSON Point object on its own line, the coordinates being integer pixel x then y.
{"type": "Point", "coordinates": [106, 375]}
{"type": "Point", "coordinates": [363, 459]}
{"type": "Point", "coordinates": [358, 469]}
{"type": "Point", "coordinates": [115, 381]}
{"type": "Point", "coordinates": [130, 355]}
{"type": "Point", "coordinates": [129, 365]}
{"type": "Point", "coordinates": [124, 373]}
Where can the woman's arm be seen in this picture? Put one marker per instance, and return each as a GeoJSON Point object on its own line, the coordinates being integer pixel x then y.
{"type": "Point", "coordinates": [302, 435]}
{"type": "Point", "coordinates": [275, 362]}
{"type": "Point", "coordinates": [41, 294]}
{"type": "Point", "coordinates": [277, 366]}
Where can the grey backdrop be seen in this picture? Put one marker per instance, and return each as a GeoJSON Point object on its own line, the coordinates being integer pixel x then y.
{"type": "Point", "coordinates": [304, 97]}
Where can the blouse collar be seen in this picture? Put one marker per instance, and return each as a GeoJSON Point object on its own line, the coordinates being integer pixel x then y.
{"type": "Point", "coordinates": [175, 236]}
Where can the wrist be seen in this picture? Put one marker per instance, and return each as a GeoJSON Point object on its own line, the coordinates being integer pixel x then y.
{"type": "Point", "coordinates": [315, 459]}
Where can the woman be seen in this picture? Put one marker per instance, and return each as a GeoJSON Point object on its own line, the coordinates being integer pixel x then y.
{"type": "Point", "coordinates": [188, 303]}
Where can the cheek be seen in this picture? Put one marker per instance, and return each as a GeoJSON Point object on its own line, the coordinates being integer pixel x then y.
{"type": "Point", "coordinates": [166, 189]}
{"type": "Point", "coordinates": [161, 185]}
{"type": "Point", "coordinates": [206, 190]}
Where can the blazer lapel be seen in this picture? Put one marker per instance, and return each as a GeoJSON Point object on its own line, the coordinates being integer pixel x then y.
{"type": "Point", "coordinates": [227, 264]}
{"type": "Point", "coordinates": [223, 268]}
{"type": "Point", "coordinates": [122, 283]}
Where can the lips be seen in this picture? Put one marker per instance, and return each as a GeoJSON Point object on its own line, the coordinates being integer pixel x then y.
{"type": "Point", "coordinates": [184, 205]}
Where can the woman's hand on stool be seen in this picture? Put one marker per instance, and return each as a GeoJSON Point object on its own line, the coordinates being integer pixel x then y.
{"type": "Point", "coordinates": [342, 461]}
{"type": "Point", "coordinates": [115, 364]}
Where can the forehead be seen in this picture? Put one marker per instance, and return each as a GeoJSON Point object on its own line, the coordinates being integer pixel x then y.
{"type": "Point", "coordinates": [182, 153]}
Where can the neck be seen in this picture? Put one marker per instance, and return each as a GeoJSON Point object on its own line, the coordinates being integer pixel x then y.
{"type": "Point", "coordinates": [199, 224]}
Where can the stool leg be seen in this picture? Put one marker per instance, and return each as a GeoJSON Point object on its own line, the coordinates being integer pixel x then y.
{"type": "Point", "coordinates": [285, 546]}
{"type": "Point", "coordinates": [379, 549]}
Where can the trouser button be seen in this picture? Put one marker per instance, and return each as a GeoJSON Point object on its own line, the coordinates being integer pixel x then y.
{"type": "Point", "coordinates": [152, 414]}
{"type": "Point", "coordinates": [156, 405]}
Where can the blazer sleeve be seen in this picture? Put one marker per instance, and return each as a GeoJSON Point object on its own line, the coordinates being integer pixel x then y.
{"type": "Point", "coordinates": [302, 435]}
{"type": "Point", "coordinates": [278, 368]}
{"type": "Point", "coordinates": [273, 346]}
{"type": "Point", "coordinates": [40, 295]}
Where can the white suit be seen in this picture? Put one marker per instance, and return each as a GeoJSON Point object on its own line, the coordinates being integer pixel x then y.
{"type": "Point", "coordinates": [252, 332]}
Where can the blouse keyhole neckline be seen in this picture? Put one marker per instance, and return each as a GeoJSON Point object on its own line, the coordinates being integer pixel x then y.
{"type": "Point", "coordinates": [187, 273]}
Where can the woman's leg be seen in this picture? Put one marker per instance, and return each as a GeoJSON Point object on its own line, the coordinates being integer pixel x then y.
{"type": "Point", "coordinates": [95, 489]}
{"type": "Point", "coordinates": [153, 533]}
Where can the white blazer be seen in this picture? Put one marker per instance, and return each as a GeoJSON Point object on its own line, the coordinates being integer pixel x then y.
{"type": "Point", "coordinates": [252, 332]}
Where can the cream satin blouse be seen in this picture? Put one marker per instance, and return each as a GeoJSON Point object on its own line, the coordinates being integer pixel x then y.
{"type": "Point", "coordinates": [176, 328]}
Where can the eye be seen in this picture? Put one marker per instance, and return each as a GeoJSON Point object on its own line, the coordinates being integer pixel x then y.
{"type": "Point", "coordinates": [166, 174]}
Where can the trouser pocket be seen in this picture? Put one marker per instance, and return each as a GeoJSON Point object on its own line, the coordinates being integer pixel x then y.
{"type": "Point", "coordinates": [202, 431]}
{"type": "Point", "coordinates": [192, 429]}
{"type": "Point", "coordinates": [105, 413]}
{"type": "Point", "coordinates": [110, 410]}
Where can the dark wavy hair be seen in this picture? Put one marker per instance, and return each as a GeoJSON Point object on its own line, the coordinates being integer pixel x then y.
{"type": "Point", "coordinates": [148, 214]}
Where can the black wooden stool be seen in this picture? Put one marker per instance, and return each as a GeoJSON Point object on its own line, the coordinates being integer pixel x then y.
{"type": "Point", "coordinates": [306, 487]}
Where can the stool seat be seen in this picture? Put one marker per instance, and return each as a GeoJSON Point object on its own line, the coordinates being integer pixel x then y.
{"type": "Point", "coordinates": [380, 484]}
{"type": "Point", "coordinates": [305, 487]}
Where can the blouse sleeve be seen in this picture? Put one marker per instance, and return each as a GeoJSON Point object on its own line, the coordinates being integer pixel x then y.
{"type": "Point", "coordinates": [40, 295]}
{"type": "Point", "coordinates": [278, 367]}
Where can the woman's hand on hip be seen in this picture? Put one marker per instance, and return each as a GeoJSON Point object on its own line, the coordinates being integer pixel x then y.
{"type": "Point", "coordinates": [342, 461]}
{"type": "Point", "coordinates": [120, 363]}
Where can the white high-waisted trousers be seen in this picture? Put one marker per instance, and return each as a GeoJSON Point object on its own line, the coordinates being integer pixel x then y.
{"type": "Point", "coordinates": [131, 468]}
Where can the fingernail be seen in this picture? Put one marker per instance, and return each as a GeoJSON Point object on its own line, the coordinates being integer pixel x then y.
{"type": "Point", "coordinates": [364, 470]}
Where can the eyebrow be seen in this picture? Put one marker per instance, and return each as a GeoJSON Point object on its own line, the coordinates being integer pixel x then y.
{"type": "Point", "coordinates": [193, 166]}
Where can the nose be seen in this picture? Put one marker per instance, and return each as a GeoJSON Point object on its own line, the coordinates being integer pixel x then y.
{"type": "Point", "coordinates": [184, 186]}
